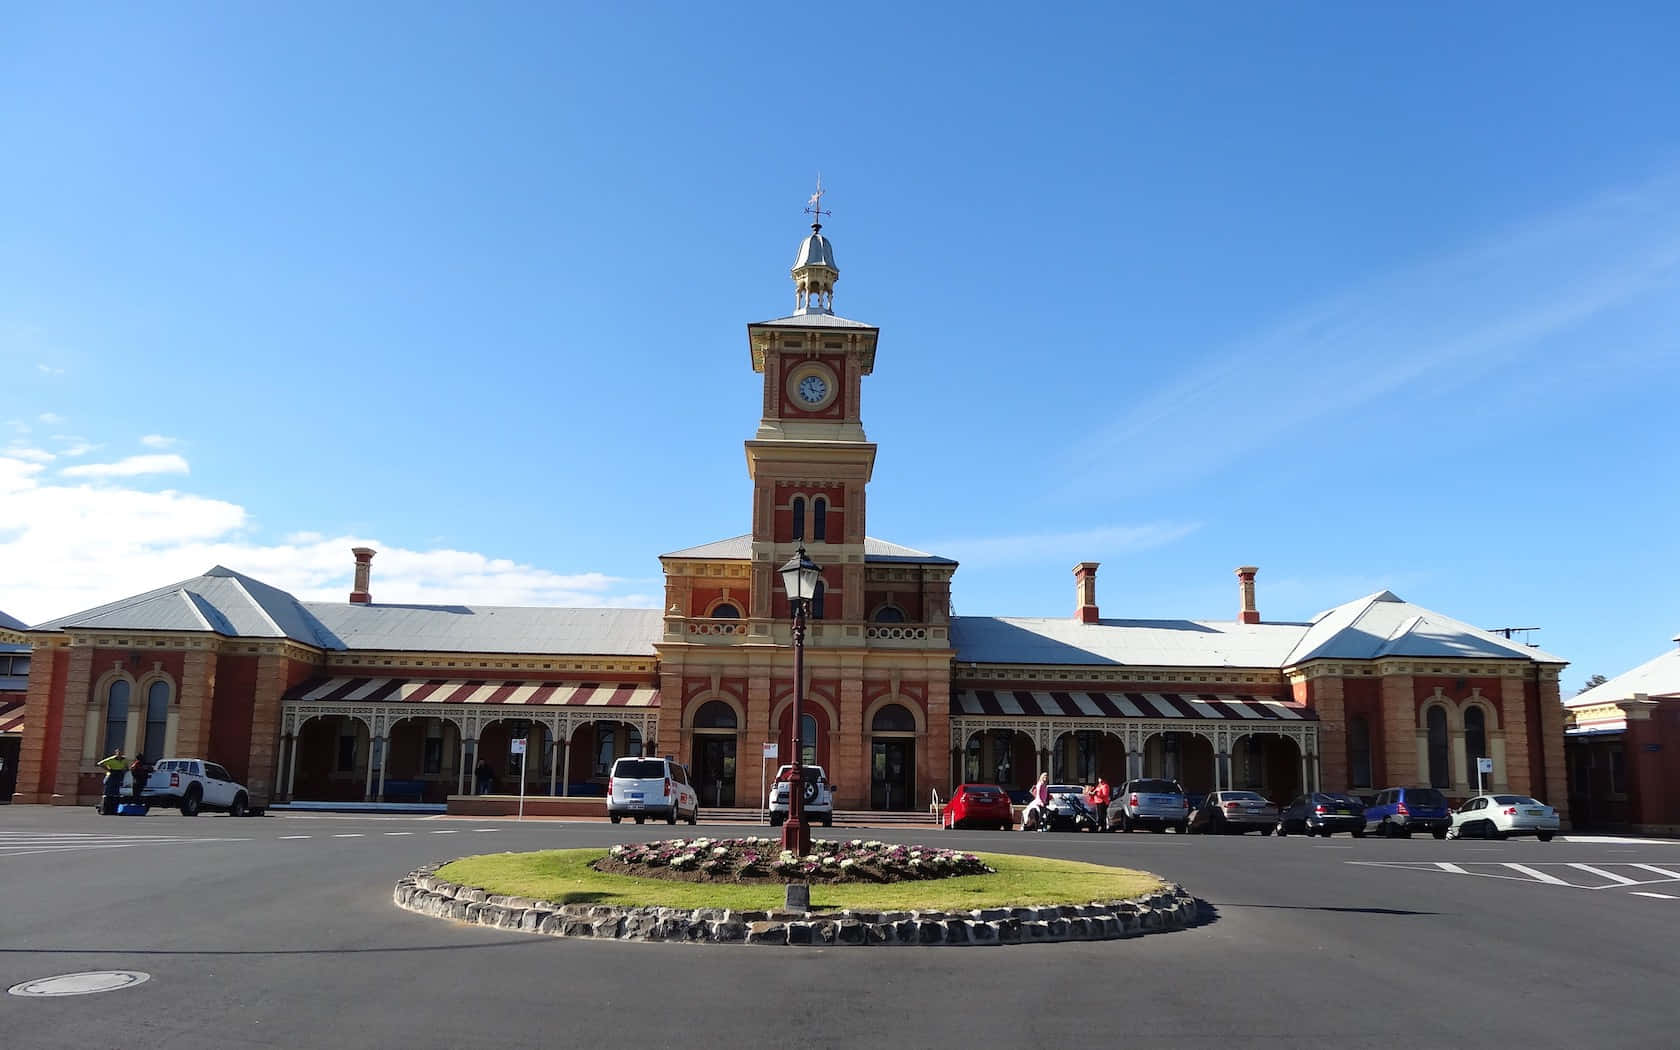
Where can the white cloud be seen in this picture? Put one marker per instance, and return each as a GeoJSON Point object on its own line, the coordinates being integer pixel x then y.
{"type": "Point", "coordinates": [18, 426]}
{"type": "Point", "coordinates": [158, 441]}
{"type": "Point", "coordinates": [1084, 545]}
{"type": "Point", "coordinates": [133, 466]}
{"type": "Point", "coordinates": [35, 455]}
{"type": "Point", "coordinates": [71, 547]}
{"type": "Point", "coordinates": [52, 419]}
{"type": "Point", "coordinates": [75, 446]}
{"type": "Point", "coordinates": [46, 369]}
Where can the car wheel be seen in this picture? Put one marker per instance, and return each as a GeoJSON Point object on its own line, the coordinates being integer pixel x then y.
{"type": "Point", "coordinates": [1282, 829]}
{"type": "Point", "coordinates": [238, 807]}
{"type": "Point", "coordinates": [1439, 833]}
{"type": "Point", "coordinates": [1494, 833]}
{"type": "Point", "coordinates": [671, 817]}
{"type": "Point", "coordinates": [776, 820]}
{"type": "Point", "coordinates": [694, 818]}
{"type": "Point", "coordinates": [1385, 830]}
{"type": "Point", "coordinates": [190, 801]}
{"type": "Point", "coordinates": [641, 820]}
{"type": "Point", "coordinates": [828, 820]}
{"type": "Point", "coordinates": [1543, 836]}
{"type": "Point", "coordinates": [1267, 832]}
{"type": "Point", "coordinates": [1358, 833]}
{"type": "Point", "coordinates": [1452, 832]}
{"type": "Point", "coordinates": [614, 817]}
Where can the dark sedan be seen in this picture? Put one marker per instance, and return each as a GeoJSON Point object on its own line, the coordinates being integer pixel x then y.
{"type": "Point", "coordinates": [1323, 813]}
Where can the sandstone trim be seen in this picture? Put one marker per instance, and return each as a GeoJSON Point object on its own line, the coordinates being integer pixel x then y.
{"type": "Point", "coordinates": [1170, 908]}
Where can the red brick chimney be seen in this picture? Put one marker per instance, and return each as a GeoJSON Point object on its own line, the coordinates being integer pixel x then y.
{"type": "Point", "coordinates": [1085, 591]}
{"type": "Point", "coordinates": [1245, 576]}
{"type": "Point", "coordinates": [364, 568]}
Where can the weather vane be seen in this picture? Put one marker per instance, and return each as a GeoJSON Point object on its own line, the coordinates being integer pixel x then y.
{"type": "Point", "coordinates": [813, 206]}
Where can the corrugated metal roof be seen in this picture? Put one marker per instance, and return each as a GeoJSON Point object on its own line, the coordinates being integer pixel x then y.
{"type": "Point", "coordinates": [490, 629]}
{"type": "Point", "coordinates": [740, 548]}
{"type": "Point", "coordinates": [13, 622]}
{"type": "Point", "coordinates": [1152, 643]}
{"type": "Point", "coordinates": [812, 321]}
{"type": "Point", "coordinates": [1658, 677]}
{"type": "Point", "coordinates": [1385, 624]}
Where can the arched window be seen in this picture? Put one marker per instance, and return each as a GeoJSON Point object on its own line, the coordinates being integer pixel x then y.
{"type": "Point", "coordinates": [817, 601]}
{"type": "Point", "coordinates": [116, 716]}
{"type": "Point", "coordinates": [819, 518]}
{"type": "Point", "coordinates": [1439, 774]}
{"type": "Point", "coordinates": [808, 738]}
{"type": "Point", "coordinates": [606, 748]}
{"type": "Point", "coordinates": [714, 714]}
{"type": "Point", "coordinates": [157, 719]}
{"type": "Point", "coordinates": [971, 759]}
{"type": "Point", "coordinates": [799, 517]}
{"type": "Point", "coordinates": [893, 718]}
{"type": "Point", "coordinates": [725, 611]}
{"type": "Point", "coordinates": [1359, 751]}
{"type": "Point", "coordinates": [1475, 736]}
{"type": "Point", "coordinates": [889, 614]}
{"type": "Point", "coordinates": [633, 736]}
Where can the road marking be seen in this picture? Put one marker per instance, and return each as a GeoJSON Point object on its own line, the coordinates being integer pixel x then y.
{"type": "Point", "coordinates": [450, 832]}
{"type": "Point", "coordinates": [349, 835]}
{"type": "Point", "coordinates": [487, 829]}
{"type": "Point", "coordinates": [1539, 876]}
{"type": "Point", "coordinates": [1454, 868]}
{"type": "Point", "coordinates": [399, 833]}
{"type": "Point", "coordinates": [294, 836]}
{"type": "Point", "coordinates": [1612, 876]}
{"type": "Point", "coordinates": [1658, 896]}
{"type": "Point", "coordinates": [1664, 872]}
{"type": "Point", "coordinates": [31, 843]}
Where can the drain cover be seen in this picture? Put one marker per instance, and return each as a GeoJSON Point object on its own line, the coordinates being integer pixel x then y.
{"type": "Point", "coordinates": [80, 983]}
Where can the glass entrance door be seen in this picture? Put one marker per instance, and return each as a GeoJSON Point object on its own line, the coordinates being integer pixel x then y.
{"type": "Point", "coordinates": [714, 769]}
{"type": "Point", "coordinates": [892, 774]}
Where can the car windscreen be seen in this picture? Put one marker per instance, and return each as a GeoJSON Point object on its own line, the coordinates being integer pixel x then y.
{"type": "Point", "coordinates": [1243, 796]}
{"type": "Point", "coordinates": [1155, 787]}
{"type": "Point", "coordinates": [1066, 789]}
{"type": "Point", "coordinates": [1425, 797]}
{"type": "Point", "coordinates": [1340, 800]}
{"type": "Point", "coordinates": [640, 769]}
{"type": "Point", "coordinates": [1515, 800]}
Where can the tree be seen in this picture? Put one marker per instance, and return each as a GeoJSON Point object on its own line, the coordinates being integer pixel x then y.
{"type": "Point", "coordinates": [1593, 682]}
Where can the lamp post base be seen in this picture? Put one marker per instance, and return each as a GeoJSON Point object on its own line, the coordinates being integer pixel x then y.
{"type": "Point", "coordinates": [796, 837]}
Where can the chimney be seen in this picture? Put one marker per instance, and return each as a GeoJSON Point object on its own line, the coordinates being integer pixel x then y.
{"type": "Point", "coordinates": [364, 567]}
{"type": "Point", "coordinates": [1085, 591]}
{"type": "Point", "coordinates": [1249, 613]}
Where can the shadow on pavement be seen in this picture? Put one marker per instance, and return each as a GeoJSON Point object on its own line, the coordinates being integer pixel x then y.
{"type": "Point", "coordinates": [1355, 911]}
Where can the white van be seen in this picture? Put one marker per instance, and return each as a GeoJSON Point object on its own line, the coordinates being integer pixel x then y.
{"type": "Point", "coordinates": [651, 787]}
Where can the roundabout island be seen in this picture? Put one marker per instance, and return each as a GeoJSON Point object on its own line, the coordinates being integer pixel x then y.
{"type": "Point", "coordinates": [848, 892]}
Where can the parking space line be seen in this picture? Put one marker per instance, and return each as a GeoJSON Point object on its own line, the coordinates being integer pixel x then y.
{"type": "Point", "coordinates": [449, 832]}
{"type": "Point", "coordinates": [1448, 866]}
{"type": "Point", "coordinates": [349, 835]}
{"type": "Point", "coordinates": [1537, 875]}
{"type": "Point", "coordinates": [1660, 871]}
{"type": "Point", "coordinates": [294, 836]}
{"type": "Point", "coordinates": [1658, 896]}
{"type": "Point", "coordinates": [399, 833]}
{"type": "Point", "coordinates": [487, 829]}
{"type": "Point", "coordinates": [1612, 876]}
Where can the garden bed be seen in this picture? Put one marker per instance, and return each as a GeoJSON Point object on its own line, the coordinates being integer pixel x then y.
{"type": "Point", "coordinates": [761, 860]}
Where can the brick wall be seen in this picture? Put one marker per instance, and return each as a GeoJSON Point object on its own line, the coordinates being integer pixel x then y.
{"type": "Point", "coordinates": [1399, 720]}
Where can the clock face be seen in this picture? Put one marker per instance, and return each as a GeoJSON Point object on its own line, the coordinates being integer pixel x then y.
{"type": "Point", "coordinates": [813, 389]}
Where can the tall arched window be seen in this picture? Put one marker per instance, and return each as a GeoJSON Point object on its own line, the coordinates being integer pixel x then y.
{"type": "Point", "coordinates": [819, 518]}
{"type": "Point", "coordinates": [1475, 736]}
{"type": "Point", "coordinates": [116, 716]}
{"type": "Point", "coordinates": [1359, 751]}
{"type": "Point", "coordinates": [817, 601]}
{"type": "Point", "coordinates": [1439, 774]}
{"type": "Point", "coordinates": [808, 738]}
{"type": "Point", "coordinates": [714, 714]}
{"type": "Point", "coordinates": [799, 517]}
{"type": "Point", "coordinates": [157, 719]}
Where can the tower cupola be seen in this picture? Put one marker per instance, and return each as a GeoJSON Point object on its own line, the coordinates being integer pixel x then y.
{"type": "Point", "coordinates": [814, 271]}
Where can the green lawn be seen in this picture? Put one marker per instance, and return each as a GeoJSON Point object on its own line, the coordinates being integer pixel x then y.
{"type": "Point", "coordinates": [565, 876]}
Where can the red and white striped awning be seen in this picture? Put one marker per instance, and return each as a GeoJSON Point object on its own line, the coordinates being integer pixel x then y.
{"type": "Point", "coordinates": [1126, 705]}
{"type": "Point", "coordinates": [475, 691]}
{"type": "Point", "coordinates": [11, 716]}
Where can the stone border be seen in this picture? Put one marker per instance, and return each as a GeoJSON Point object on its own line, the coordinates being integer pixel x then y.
{"type": "Point", "coordinates": [1170, 908]}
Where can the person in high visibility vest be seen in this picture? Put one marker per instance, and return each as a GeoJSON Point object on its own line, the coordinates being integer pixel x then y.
{"type": "Point", "coordinates": [115, 767]}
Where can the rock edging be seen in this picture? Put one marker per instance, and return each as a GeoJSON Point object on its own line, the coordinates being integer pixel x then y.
{"type": "Point", "coordinates": [1170, 908]}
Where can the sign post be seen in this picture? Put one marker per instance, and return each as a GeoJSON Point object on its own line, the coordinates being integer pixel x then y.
{"type": "Point", "coordinates": [517, 747]}
{"type": "Point", "coordinates": [771, 751]}
{"type": "Point", "coordinates": [1483, 765]}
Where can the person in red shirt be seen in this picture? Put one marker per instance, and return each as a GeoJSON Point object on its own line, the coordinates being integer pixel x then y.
{"type": "Point", "coordinates": [1098, 798]}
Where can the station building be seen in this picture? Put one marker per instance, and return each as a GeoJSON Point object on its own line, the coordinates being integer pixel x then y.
{"type": "Point", "coordinates": [358, 700]}
{"type": "Point", "coordinates": [1623, 737]}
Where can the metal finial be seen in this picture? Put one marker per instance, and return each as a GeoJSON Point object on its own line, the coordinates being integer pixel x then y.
{"type": "Point", "coordinates": [813, 206]}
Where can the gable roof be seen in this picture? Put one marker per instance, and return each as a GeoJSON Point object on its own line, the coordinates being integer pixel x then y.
{"type": "Point", "coordinates": [12, 622]}
{"type": "Point", "coordinates": [1150, 643]}
{"type": "Point", "coordinates": [1658, 677]}
{"type": "Point", "coordinates": [739, 548]}
{"type": "Point", "coordinates": [1385, 624]}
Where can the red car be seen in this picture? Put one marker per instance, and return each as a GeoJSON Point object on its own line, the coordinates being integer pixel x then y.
{"type": "Point", "coordinates": [982, 805]}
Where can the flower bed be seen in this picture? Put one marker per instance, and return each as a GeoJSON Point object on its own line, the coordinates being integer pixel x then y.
{"type": "Point", "coordinates": [763, 860]}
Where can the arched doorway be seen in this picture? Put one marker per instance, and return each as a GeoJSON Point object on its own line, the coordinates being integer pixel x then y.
{"type": "Point", "coordinates": [333, 752]}
{"type": "Point", "coordinates": [1000, 756]}
{"type": "Point", "coordinates": [713, 760]}
{"type": "Point", "coordinates": [892, 758]}
{"type": "Point", "coordinates": [1084, 755]}
{"type": "Point", "coordinates": [1269, 763]}
{"type": "Point", "coordinates": [1181, 756]}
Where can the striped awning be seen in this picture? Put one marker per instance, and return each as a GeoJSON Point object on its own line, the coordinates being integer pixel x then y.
{"type": "Point", "coordinates": [1126, 705]}
{"type": "Point", "coordinates": [11, 715]}
{"type": "Point", "coordinates": [475, 691]}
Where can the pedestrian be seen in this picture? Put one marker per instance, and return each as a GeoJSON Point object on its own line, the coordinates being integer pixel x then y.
{"type": "Point", "coordinates": [1099, 797]}
{"type": "Point", "coordinates": [115, 767]}
{"type": "Point", "coordinates": [1038, 804]}
{"type": "Point", "coordinates": [483, 778]}
{"type": "Point", "coordinates": [140, 771]}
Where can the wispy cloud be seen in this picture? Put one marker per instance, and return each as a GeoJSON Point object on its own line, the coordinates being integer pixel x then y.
{"type": "Point", "coordinates": [1432, 327]}
{"type": "Point", "coordinates": [133, 466]}
{"type": "Point", "coordinates": [52, 419]}
{"type": "Point", "coordinates": [159, 441]}
{"type": "Point", "coordinates": [33, 455]}
{"type": "Point", "coordinates": [48, 370]}
{"type": "Point", "coordinates": [75, 445]}
{"type": "Point", "coordinates": [1092, 544]}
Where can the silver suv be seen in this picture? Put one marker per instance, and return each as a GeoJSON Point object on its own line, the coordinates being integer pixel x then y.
{"type": "Point", "coordinates": [1155, 804]}
{"type": "Point", "coordinates": [651, 787]}
{"type": "Point", "coordinates": [819, 796]}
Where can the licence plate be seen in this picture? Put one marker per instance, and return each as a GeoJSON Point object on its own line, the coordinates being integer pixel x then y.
{"type": "Point", "coordinates": [634, 796]}
{"type": "Point", "coordinates": [1344, 812]}
{"type": "Point", "coordinates": [1535, 812]}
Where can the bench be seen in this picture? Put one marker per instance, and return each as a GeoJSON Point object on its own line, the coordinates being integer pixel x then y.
{"type": "Point", "coordinates": [405, 789]}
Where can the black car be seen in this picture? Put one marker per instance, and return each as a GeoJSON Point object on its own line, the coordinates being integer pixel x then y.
{"type": "Point", "coordinates": [1323, 813]}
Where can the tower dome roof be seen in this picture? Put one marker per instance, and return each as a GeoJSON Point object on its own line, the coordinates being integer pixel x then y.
{"type": "Point", "coordinates": [815, 251]}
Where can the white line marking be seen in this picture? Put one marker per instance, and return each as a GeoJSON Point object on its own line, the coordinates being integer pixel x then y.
{"type": "Point", "coordinates": [350, 835]}
{"type": "Point", "coordinates": [1658, 896]}
{"type": "Point", "coordinates": [487, 829]}
{"type": "Point", "coordinates": [450, 832]}
{"type": "Point", "coordinates": [1454, 868]}
{"type": "Point", "coordinates": [1659, 871]}
{"type": "Point", "coordinates": [1612, 876]}
{"type": "Point", "coordinates": [399, 833]}
{"type": "Point", "coordinates": [1539, 876]}
{"type": "Point", "coordinates": [294, 836]}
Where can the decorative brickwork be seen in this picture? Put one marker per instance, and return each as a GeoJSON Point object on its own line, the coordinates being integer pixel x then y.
{"type": "Point", "coordinates": [1400, 730]}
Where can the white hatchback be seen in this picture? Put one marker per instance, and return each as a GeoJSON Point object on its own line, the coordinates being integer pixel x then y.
{"type": "Point", "coordinates": [651, 787]}
{"type": "Point", "coordinates": [1500, 816]}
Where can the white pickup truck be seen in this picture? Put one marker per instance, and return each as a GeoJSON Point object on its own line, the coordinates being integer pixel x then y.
{"type": "Point", "coordinates": [195, 785]}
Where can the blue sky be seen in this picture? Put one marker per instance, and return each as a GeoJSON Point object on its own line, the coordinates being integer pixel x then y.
{"type": "Point", "coordinates": [1368, 298]}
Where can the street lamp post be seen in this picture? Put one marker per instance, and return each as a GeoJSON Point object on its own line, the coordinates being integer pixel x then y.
{"type": "Point", "coordinates": [799, 579]}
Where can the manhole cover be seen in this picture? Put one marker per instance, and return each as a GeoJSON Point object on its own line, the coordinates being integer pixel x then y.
{"type": "Point", "coordinates": [81, 983]}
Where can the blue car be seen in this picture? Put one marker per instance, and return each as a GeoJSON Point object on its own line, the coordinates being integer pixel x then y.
{"type": "Point", "coordinates": [1398, 812]}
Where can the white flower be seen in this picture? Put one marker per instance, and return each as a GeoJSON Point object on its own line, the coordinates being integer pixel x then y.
{"type": "Point", "coordinates": [828, 862]}
{"type": "Point", "coordinates": [719, 851]}
{"type": "Point", "coordinates": [848, 862]}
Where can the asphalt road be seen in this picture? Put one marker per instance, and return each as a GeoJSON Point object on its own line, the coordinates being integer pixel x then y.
{"type": "Point", "coordinates": [280, 932]}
